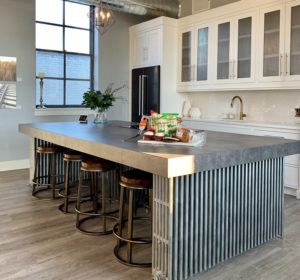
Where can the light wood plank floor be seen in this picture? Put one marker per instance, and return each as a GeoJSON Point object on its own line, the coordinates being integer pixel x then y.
{"type": "Point", "coordinates": [39, 242]}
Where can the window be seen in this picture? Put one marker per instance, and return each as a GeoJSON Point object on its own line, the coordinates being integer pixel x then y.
{"type": "Point", "coordinates": [64, 52]}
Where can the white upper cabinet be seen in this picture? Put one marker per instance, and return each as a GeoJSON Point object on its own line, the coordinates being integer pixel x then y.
{"type": "Point", "coordinates": [235, 50]}
{"type": "Point", "coordinates": [245, 45]}
{"type": "Point", "coordinates": [146, 46]}
{"type": "Point", "coordinates": [195, 54]}
{"type": "Point", "coordinates": [218, 53]}
{"type": "Point", "coordinates": [280, 43]}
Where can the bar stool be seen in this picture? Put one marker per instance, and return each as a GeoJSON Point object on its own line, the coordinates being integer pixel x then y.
{"type": "Point", "coordinates": [132, 181]}
{"type": "Point", "coordinates": [95, 167]}
{"type": "Point", "coordinates": [39, 184]}
{"type": "Point", "coordinates": [70, 158]}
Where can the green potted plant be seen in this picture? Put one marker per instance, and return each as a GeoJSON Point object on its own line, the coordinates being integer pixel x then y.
{"type": "Point", "coordinates": [100, 101]}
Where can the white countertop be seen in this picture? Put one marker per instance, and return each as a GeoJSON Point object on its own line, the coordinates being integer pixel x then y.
{"type": "Point", "coordinates": [284, 125]}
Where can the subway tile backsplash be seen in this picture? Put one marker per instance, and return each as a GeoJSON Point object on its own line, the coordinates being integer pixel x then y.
{"type": "Point", "coordinates": [271, 105]}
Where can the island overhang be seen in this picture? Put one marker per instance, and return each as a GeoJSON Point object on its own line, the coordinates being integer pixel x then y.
{"type": "Point", "coordinates": [107, 141]}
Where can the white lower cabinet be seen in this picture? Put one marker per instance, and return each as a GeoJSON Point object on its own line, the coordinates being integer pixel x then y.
{"type": "Point", "coordinates": [291, 176]}
{"type": "Point", "coordinates": [292, 163]}
{"type": "Point", "coordinates": [294, 159]}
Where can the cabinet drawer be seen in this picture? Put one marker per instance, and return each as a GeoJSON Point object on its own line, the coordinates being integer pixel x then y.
{"type": "Point", "coordinates": [291, 176]}
{"type": "Point", "coordinates": [293, 159]}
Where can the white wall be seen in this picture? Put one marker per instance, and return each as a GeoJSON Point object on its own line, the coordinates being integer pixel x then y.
{"type": "Point", "coordinates": [17, 33]}
{"type": "Point", "coordinates": [269, 106]}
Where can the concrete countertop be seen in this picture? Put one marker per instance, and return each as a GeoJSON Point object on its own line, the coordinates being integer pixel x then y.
{"type": "Point", "coordinates": [106, 141]}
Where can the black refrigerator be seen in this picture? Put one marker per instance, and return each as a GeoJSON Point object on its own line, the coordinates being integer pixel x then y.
{"type": "Point", "coordinates": [145, 92]}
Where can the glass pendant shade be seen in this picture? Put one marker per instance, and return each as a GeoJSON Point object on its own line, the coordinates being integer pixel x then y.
{"type": "Point", "coordinates": [103, 18]}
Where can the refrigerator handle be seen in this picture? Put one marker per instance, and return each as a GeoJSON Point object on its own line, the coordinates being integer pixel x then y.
{"type": "Point", "coordinates": [140, 92]}
{"type": "Point", "coordinates": [143, 93]}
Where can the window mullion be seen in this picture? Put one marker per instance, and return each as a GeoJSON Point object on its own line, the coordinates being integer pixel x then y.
{"type": "Point", "coordinates": [92, 46]}
{"type": "Point", "coordinates": [64, 50]}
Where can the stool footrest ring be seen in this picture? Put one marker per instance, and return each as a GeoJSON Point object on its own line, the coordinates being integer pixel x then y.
{"type": "Point", "coordinates": [123, 261]}
{"type": "Point", "coordinates": [89, 213]}
{"type": "Point", "coordinates": [40, 190]}
{"type": "Point", "coordinates": [80, 222]}
{"type": "Point", "coordinates": [140, 240]}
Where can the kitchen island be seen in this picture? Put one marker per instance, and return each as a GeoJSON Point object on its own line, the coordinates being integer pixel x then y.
{"type": "Point", "coordinates": [210, 203]}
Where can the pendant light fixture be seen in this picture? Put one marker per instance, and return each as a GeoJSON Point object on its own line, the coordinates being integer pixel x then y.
{"type": "Point", "coordinates": [103, 18]}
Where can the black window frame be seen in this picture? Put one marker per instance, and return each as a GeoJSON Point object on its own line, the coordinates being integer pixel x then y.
{"type": "Point", "coordinates": [65, 53]}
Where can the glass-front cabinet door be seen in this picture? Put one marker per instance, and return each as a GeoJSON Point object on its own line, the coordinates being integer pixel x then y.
{"type": "Point", "coordinates": [202, 53]}
{"type": "Point", "coordinates": [196, 53]}
{"type": "Point", "coordinates": [292, 48]}
{"type": "Point", "coordinates": [271, 63]}
{"type": "Point", "coordinates": [224, 62]}
{"type": "Point", "coordinates": [235, 50]}
{"type": "Point", "coordinates": [187, 56]}
{"type": "Point", "coordinates": [244, 56]}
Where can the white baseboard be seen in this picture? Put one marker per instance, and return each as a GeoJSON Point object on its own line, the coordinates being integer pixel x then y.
{"type": "Point", "coordinates": [298, 194]}
{"type": "Point", "coordinates": [291, 191]}
{"type": "Point", "coordinates": [14, 164]}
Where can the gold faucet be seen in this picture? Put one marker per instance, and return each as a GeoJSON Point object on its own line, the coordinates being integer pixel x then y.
{"type": "Point", "coordinates": [242, 115]}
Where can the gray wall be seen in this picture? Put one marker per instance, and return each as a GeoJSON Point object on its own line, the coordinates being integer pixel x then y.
{"type": "Point", "coordinates": [17, 39]}
{"type": "Point", "coordinates": [17, 33]}
{"type": "Point", "coordinates": [186, 5]}
{"type": "Point", "coordinates": [114, 62]}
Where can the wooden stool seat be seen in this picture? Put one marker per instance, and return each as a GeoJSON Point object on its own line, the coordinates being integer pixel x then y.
{"type": "Point", "coordinates": [96, 164]}
{"type": "Point", "coordinates": [48, 150]}
{"type": "Point", "coordinates": [136, 178]}
{"type": "Point", "coordinates": [73, 156]}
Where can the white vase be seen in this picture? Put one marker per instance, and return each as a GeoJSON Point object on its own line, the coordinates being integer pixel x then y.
{"type": "Point", "coordinates": [186, 108]}
{"type": "Point", "coordinates": [195, 113]}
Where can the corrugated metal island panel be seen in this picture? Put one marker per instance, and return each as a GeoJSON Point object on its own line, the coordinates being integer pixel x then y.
{"type": "Point", "coordinates": [206, 218]}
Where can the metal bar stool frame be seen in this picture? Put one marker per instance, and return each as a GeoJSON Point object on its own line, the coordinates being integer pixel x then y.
{"type": "Point", "coordinates": [68, 161]}
{"type": "Point", "coordinates": [93, 179]}
{"type": "Point", "coordinates": [51, 153]}
{"type": "Point", "coordinates": [118, 228]}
